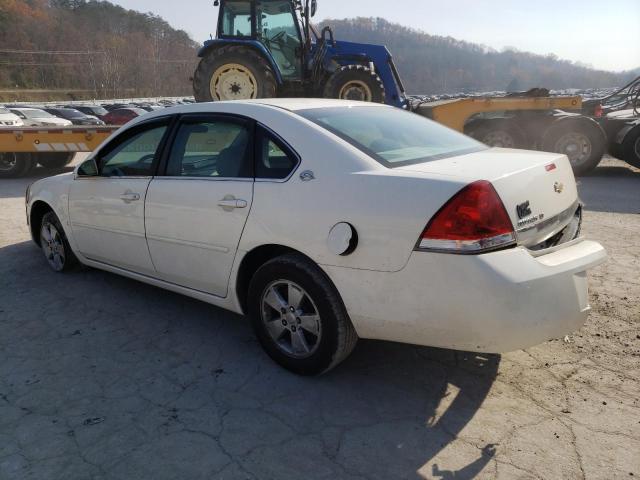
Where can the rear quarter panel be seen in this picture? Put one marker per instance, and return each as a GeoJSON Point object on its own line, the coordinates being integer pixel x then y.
{"type": "Point", "coordinates": [389, 209]}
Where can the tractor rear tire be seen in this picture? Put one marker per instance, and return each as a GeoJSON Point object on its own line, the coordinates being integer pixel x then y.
{"type": "Point", "coordinates": [630, 147]}
{"type": "Point", "coordinates": [14, 165]}
{"type": "Point", "coordinates": [355, 82]}
{"type": "Point", "coordinates": [500, 133]}
{"type": "Point", "coordinates": [580, 138]}
{"type": "Point", "coordinates": [55, 160]}
{"type": "Point", "coordinates": [233, 72]}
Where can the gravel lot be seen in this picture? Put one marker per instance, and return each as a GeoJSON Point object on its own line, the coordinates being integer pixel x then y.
{"type": "Point", "coordinates": [105, 378]}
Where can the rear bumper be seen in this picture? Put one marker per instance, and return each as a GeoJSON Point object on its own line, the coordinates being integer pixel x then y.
{"type": "Point", "coordinates": [496, 302]}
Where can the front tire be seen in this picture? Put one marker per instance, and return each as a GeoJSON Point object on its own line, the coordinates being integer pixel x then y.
{"type": "Point", "coordinates": [233, 72]}
{"type": "Point", "coordinates": [298, 316]}
{"type": "Point", "coordinates": [54, 244]}
{"type": "Point", "coordinates": [355, 82]}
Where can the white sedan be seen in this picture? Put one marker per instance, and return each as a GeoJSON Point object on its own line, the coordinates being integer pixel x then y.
{"type": "Point", "coordinates": [34, 117]}
{"type": "Point", "coordinates": [327, 221]}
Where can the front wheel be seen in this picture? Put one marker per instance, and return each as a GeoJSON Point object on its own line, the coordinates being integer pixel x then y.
{"type": "Point", "coordinates": [298, 316]}
{"type": "Point", "coordinates": [54, 244]}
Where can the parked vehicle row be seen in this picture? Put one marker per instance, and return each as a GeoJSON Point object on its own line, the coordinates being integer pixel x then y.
{"type": "Point", "coordinates": [82, 114]}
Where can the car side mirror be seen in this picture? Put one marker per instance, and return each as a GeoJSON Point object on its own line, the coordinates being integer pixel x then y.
{"type": "Point", "coordinates": [88, 168]}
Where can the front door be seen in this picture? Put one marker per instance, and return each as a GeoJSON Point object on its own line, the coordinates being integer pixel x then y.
{"type": "Point", "coordinates": [196, 213]}
{"type": "Point", "coordinates": [107, 211]}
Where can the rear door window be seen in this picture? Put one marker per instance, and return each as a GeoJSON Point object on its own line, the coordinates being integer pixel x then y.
{"type": "Point", "coordinates": [211, 148]}
{"type": "Point", "coordinates": [274, 160]}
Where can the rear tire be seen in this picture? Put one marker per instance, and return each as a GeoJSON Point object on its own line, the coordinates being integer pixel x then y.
{"type": "Point", "coordinates": [55, 246]}
{"type": "Point", "coordinates": [55, 160]}
{"type": "Point", "coordinates": [497, 133]}
{"type": "Point", "coordinates": [299, 317]}
{"type": "Point", "coordinates": [233, 72]}
{"type": "Point", "coordinates": [355, 82]}
{"type": "Point", "coordinates": [581, 139]}
{"type": "Point", "coordinates": [14, 165]}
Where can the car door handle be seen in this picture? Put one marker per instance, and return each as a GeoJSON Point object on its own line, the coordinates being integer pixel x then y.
{"type": "Point", "coordinates": [231, 203]}
{"type": "Point", "coordinates": [130, 197]}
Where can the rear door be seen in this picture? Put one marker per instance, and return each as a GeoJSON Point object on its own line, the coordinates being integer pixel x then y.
{"type": "Point", "coordinates": [196, 212]}
{"type": "Point", "coordinates": [107, 211]}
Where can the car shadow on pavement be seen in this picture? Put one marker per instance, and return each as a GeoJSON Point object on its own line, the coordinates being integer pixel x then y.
{"type": "Point", "coordinates": [611, 188]}
{"type": "Point", "coordinates": [133, 381]}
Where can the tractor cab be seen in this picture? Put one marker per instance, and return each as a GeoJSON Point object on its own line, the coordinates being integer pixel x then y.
{"type": "Point", "coordinates": [268, 48]}
{"type": "Point", "coordinates": [273, 23]}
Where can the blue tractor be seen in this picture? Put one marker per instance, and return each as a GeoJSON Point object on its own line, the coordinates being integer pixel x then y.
{"type": "Point", "coordinates": [269, 48]}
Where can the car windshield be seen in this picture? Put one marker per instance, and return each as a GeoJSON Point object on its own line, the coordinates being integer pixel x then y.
{"type": "Point", "coordinates": [392, 136]}
{"type": "Point", "coordinates": [35, 113]}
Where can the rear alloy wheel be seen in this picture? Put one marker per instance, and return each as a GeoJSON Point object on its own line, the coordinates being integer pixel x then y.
{"type": "Point", "coordinates": [233, 72]}
{"type": "Point", "coordinates": [14, 165]}
{"type": "Point", "coordinates": [581, 140]}
{"type": "Point", "coordinates": [357, 83]}
{"type": "Point", "coordinates": [54, 244]}
{"type": "Point", "coordinates": [298, 316]}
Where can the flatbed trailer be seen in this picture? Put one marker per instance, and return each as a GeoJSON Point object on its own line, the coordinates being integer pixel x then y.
{"type": "Point", "coordinates": [528, 120]}
{"type": "Point", "coordinates": [21, 149]}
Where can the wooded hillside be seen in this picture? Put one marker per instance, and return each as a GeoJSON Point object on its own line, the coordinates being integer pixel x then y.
{"type": "Point", "coordinates": [432, 64]}
{"type": "Point", "coordinates": [94, 49]}
{"type": "Point", "coordinates": [109, 51]}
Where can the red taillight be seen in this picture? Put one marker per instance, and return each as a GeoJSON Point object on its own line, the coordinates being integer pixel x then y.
{"type": "Point", "coordinates": [474, 220]}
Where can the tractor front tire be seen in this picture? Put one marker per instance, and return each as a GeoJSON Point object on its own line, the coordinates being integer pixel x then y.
{"type": "Point", "coordinates": [233, 72]}
{"type": "Point", "coordinates": [355, 82]}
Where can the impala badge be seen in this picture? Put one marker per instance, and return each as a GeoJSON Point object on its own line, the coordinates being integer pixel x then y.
{"type": "Point", "coordinates": [558, 187]}
{"type": "Point", "coordinates": [524, 210]}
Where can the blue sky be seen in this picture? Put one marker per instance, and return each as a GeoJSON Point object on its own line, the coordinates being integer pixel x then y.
{"type": "Point", "coordinates": [601, 33]}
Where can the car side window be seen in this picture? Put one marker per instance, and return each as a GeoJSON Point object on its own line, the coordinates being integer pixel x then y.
{"type": "Point", "coordinates": [274, 160]}
{"type": "Point", "coordinates": [135, 156]}
{"type": "Point", "coordinates": [211, 148]}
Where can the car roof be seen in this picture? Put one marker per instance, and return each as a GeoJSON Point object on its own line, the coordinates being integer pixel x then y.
{"type": "Point", "coordinates": [244, 107]}
{"type": "Point", "coordinates": [294, 104]}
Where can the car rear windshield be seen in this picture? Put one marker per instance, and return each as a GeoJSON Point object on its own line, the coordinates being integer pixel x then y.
{"type": "Point", "coordinates": [392, 136]}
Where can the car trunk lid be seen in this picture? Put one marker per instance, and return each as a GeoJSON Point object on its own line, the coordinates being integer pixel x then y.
{"type": "Point", "coordinates": [538, 189]}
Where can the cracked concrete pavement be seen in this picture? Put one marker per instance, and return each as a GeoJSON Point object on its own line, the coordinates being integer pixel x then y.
{"type": "Point", "coordinates": [105, 378]}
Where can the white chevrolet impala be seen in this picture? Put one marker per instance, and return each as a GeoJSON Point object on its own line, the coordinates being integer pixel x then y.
{"type": "Point", "coordinates": [327, 221]}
